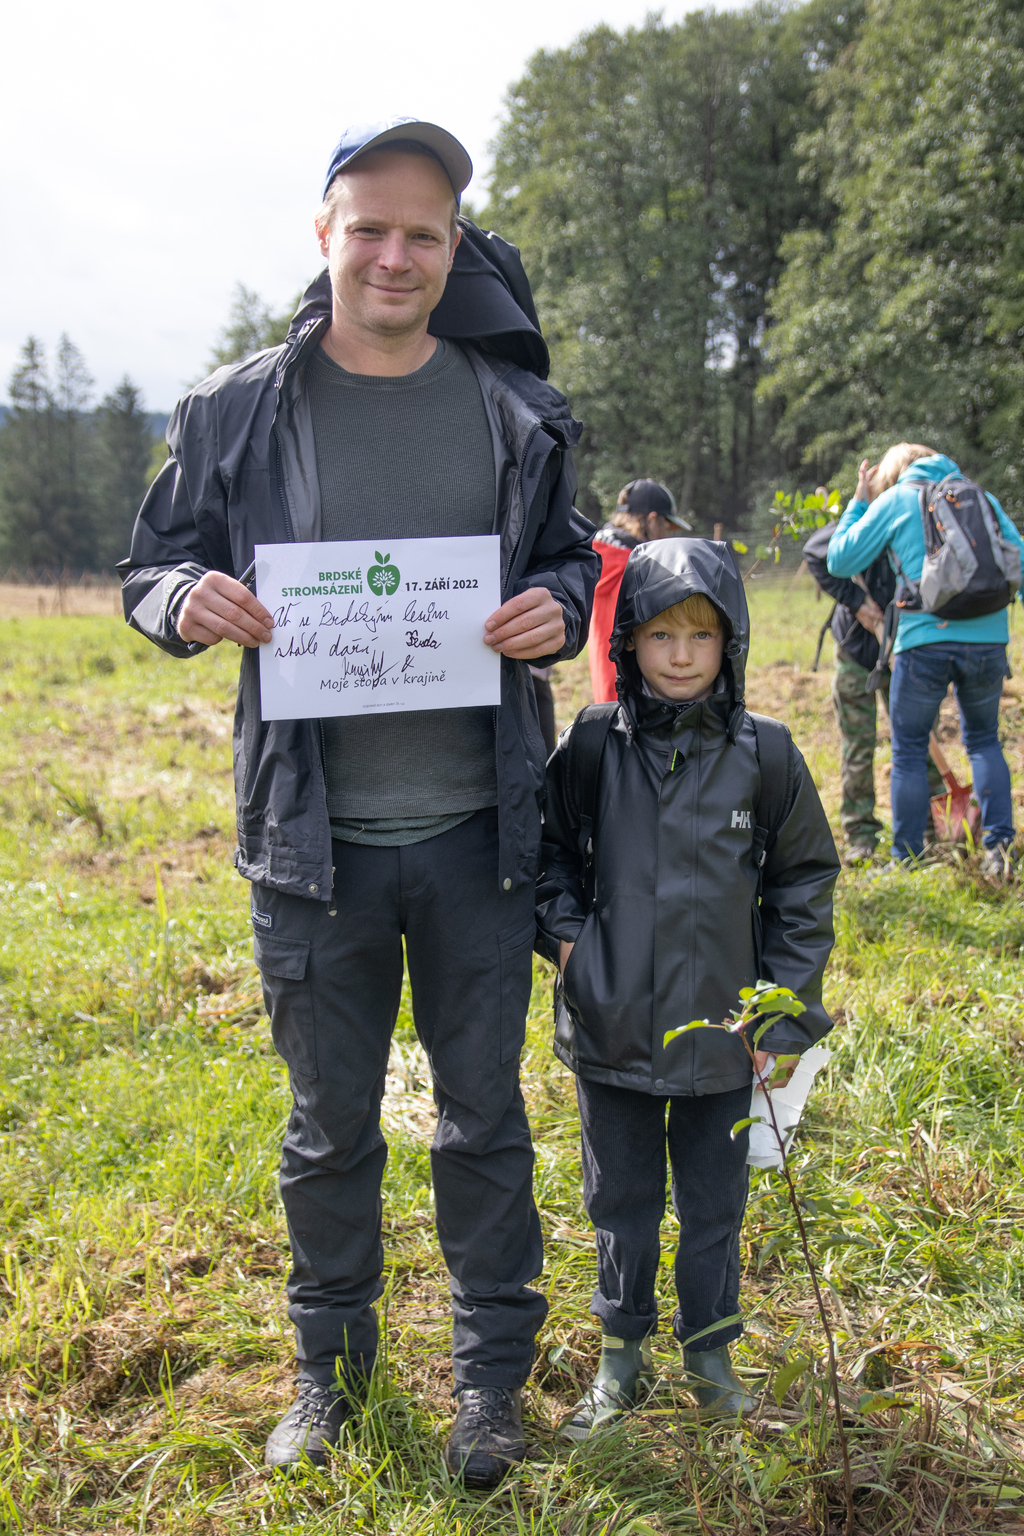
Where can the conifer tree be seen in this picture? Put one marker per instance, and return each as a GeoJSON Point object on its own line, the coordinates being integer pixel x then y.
{"type": "Point", "coordinates": [123, 447]}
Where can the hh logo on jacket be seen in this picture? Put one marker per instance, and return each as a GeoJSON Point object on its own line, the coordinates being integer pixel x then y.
{"type": "Point", "coordinates": [741, 819]}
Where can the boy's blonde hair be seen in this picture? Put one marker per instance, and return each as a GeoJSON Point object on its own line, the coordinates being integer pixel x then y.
{"type": "Point", "coordinates": [699, 610]}
{"type": "Point", "coordinates": [894, 461]}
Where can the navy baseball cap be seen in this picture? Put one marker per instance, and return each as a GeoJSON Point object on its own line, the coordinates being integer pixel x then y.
{"type": "Point", "coordinates": [362, 137]}
{"type": "Point", "coordinates": [652, 496]}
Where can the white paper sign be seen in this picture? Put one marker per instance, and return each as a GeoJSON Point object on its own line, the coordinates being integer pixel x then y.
{"type": "Point", "coordinates": [393, 624]}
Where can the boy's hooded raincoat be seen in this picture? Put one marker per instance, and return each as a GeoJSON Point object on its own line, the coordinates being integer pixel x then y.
{"type": "Point", "coordinates": [675, 929]}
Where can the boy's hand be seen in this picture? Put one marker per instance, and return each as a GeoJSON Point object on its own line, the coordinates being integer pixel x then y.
{"type": "Point", "coordinates": [529, 625]}
{"type": "Point", "coordinates": [781, 1074]}
{"type": "Point", "coordinates": [219, 608]}
{"type": "Point", "coordinates": [565, 949]}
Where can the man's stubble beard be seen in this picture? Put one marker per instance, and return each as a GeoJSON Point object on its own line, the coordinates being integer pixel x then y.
{"type": "Point", "coordinates": [374, 320]}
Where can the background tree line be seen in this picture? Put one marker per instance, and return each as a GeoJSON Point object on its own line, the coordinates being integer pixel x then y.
{"type": "Point", "coordinates": [763, 243]}
{"type": "Point", "coordinates": [72, 476]}
{"type": "Point", "coordinates": [767, 242]}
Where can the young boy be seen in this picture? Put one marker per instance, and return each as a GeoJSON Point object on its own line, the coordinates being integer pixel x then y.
{"type": "Point", "coordinates": [657, 907]}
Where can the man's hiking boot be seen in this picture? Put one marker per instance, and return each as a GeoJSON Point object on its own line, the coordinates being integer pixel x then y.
{"type": "Point", "coordinates": [487, 1436]}
{"type": "Point", "coordinates": [310, 1427]}
{"type": "Point", "coordinates": [622, 1382]}
{"type": "Point", "coordinates": [715, 1384]}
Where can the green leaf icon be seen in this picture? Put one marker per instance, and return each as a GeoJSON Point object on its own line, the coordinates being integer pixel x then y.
{"type": "Point", "coordinates": [383, 578]}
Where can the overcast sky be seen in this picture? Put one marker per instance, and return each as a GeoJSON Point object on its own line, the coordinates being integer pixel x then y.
{"type": "Point", "coordinates": [153, 155]}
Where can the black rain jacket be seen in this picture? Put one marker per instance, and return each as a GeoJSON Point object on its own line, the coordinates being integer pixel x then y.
{"type": "Point", "coordinates": [676, 928]}
{"type": "Point", "coordinates": [242, 471]}
{"type": "Point", "coordinates": [880, 580]}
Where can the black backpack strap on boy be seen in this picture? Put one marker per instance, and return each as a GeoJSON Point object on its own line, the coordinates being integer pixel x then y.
{"type": "Point", "coordinates": [777, 759]}
{"type": "Point", "coordinates": [586, 747]}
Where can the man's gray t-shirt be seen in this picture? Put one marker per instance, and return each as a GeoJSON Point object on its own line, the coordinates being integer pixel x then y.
{"type": "Point", "coordinates": [403, 458]}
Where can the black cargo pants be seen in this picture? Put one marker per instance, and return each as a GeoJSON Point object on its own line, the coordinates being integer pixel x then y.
{"type": "Point", "coordinates": [332, 978]}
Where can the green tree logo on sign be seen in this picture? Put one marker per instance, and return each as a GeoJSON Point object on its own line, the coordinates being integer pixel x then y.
{"type": "Point", "coordinates": [382, 578]}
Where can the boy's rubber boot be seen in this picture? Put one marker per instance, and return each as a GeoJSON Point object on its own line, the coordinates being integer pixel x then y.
{"type": "Point", "coordinates": [623, 1380]}
{"type": "Point", "coordinates": [715, 1384]}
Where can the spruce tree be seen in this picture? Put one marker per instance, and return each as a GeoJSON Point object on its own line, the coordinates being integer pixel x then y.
{"type": "Point", "coordinates": [123, 446]}
{"type": "Point", "coordinates": [28, 472]}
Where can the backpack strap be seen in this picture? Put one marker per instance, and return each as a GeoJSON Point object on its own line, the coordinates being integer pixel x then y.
{"type": "Point", "coordinates": [777, 759]}
{"type": "Point", "coordinates": [821, 637]}
{"type": "Point", "coordinates": [586, 746]}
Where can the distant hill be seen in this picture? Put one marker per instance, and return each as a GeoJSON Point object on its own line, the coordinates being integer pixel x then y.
{"type": "Point", "coordinates": [157, 420]}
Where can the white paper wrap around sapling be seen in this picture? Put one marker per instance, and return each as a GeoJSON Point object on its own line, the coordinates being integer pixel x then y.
{"type": "Point", "coordinates": [788, 1103]}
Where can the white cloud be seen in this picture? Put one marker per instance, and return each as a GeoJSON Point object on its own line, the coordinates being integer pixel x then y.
{"type": "Point", "coordinates": [153, 155]}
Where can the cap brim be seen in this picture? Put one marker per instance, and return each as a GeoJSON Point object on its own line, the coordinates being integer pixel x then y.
{"type": "Point", "coordinates": [444, 145]}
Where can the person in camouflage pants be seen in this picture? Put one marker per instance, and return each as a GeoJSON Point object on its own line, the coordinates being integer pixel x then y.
{"type": "Point", "coordinates": [856, 716]}
{"type": "Point", "coordinates": [859, 607]}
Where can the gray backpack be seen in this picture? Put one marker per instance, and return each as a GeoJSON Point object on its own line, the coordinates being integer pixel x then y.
{"type": "Point", "coordinates": [969, 568]}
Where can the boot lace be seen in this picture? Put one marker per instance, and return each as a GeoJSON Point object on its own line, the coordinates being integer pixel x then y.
{"type": "Point", "coordinates": [314, 1403]}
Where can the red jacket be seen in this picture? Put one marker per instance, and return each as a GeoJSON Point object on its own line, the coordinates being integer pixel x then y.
{"type": "Point", "coordinates": [614, 546]}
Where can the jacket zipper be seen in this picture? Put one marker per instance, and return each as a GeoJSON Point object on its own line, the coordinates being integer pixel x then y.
{"type": "Point", "coordinates": [522, 463]}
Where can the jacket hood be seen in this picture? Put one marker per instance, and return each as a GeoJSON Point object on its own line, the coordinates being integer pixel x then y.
{"type": "Point", "coordinates": [667, 571]}
{"type": "Point", "coordinates": [935, 467]}
{"type": "Point", "coordinates": [486, 300]}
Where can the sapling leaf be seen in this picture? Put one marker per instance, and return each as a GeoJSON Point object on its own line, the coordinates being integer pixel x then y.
{"type": "Point", "coordinates": [746, 992]}
{"type": "Point", "coordinates": [781, 999]}
{"type": "Point", "coordinates": [787, 1374]}
{"type": "Point", "coordinates": [554, 1355]}
{"type": "Point", "coordinates": [761, 1030]}
{"type": "Point", "coordinates": [878, 1402]}
{"type": "Point", "coordinates": [781, 1075]}
{"type": "Point", "coordinates": [673, 1034]}
{"type": "Point", "coordinates": [741, 1125]}
{"type": "Point", "coordinates": [741, 549]}
{"type": "Point", "coordinates": [725, 1322]}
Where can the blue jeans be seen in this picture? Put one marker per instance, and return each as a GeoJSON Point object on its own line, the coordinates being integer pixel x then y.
{"type": "Point", "coordinates": [920, 678]}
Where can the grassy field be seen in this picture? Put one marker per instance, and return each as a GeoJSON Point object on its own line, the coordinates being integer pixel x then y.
{"type": "Point", "coordinates": [143, 1343]}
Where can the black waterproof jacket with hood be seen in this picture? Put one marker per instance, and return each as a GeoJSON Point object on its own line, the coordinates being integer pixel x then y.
{"type": "Point", "coordinates": [879, 582]}
{"type": "Point", "coordinates": [676, 928]}
{"type": "Point", "coordinates": [242, 471]}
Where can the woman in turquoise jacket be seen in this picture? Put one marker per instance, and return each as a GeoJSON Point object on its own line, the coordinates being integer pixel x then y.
{"type": "Point", "coordinates": [930, 653]}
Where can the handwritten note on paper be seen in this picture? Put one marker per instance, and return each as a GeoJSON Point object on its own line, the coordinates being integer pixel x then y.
{"type": "Point", "coordinates": [389, 625]}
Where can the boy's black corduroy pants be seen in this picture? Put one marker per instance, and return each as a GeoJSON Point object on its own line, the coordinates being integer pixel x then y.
{"type": "Point", "coordinates": [332, 979]}
{"type": "Point", "coordinates": [624, 1174]}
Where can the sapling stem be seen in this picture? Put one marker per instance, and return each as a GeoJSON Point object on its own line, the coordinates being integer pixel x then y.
{"type": "Point", "coordinates": [769, 1003]}
{"type": "Point", "coordinates": [833, 1369]}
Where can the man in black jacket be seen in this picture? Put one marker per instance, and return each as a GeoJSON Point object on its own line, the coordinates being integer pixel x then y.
{"type": "Point", "coordinates": [373, 421]}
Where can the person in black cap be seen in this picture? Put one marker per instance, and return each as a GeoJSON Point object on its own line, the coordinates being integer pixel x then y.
{"type": "Point", "coordinates": [645, 510]}
{"type": "Point", "coordinates": [407, 401]}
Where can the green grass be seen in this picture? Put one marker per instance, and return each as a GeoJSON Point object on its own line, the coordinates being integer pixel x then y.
{"type": "Point", "coordinates": [144, 1347]}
